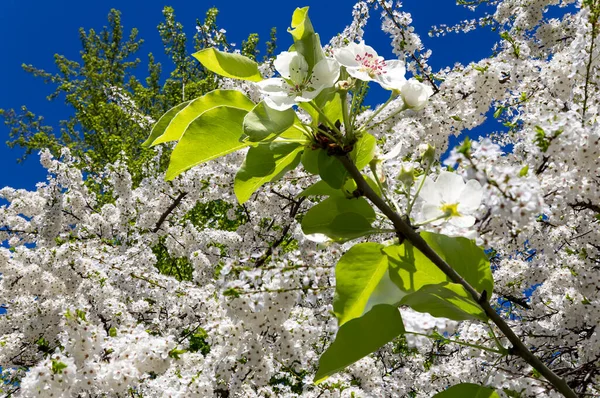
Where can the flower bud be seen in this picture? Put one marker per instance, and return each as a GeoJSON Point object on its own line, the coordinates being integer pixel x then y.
{"type": "Point", "coordinates": [427, 153]}
{"type": "Point", "coordinates": [415, 94]}
{"type": "Point", "coordinates": [407, 175]}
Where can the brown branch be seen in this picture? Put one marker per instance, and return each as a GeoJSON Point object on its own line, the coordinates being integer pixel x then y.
{"type": "Point", "coordinates": [169, 210]}
{"type": "Point", "coordinates": [405, 230]}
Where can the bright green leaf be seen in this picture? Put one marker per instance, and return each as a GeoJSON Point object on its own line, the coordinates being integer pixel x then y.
{"type": "Point", "coordinates": [160, 126]}
{"type": "Point", "coordinates": [469, 390]}
{"type": "Point", "coordinates": [364, 150]}
{"type": "Point", "coordinates": [357, 274]}
{"type": "Point", "coordinates": [264, 163]}
{"type": "Point", "coordinates": [306, 41]}
{"type": "Point", "coordinates": [335, 215]}
{"type": "Point", "coordinates": [213, 134]}
{"type": "Point", "coordinates": [310, 160]}
{"type": "Point", "coordinates": [360, 337]}
{"type": "Point", "coordinates": [331, 170]}
{"type": "Point", "coordinates": [447, 300]}
{"type": "Point", "coordinates": [320, 188]}
{"type": "Point", "coordinates": [231, 65]}
{"type": "Point", "coordinates": [198, 106]}
{"type": "Point", "coordinates": [412, 270]}
{"type": "Point", "coordinates": [263, 121]}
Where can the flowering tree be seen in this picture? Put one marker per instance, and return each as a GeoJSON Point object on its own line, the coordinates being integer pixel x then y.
{"type": "Point", "coordinates": [350, 260]}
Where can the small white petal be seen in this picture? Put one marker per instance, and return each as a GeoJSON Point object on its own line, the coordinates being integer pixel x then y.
{"type": "Point", "coordinates": [429, 212]}
{"type": "Point", "coordinates": [318, 238]}
{"type": "Point", "coordinates": [273, 85]}
{"type": "Point", "coordinates": [283, 61]}
{"type": "Point", "coordinates": [359, 73]}
{"type": "Point", "coordinates": [429, 192]}
{"type": "Point", "coordinates": [449, 185]}
{"type": "Point", "coordinates": [394, 152]}
{"type": "Point", "coordinates": [470, 197]}
{"type": "Point", "coordinates": [298, 69]}
{"type": "Point", "coordinates": [346, 56]}
{"type": "Point", "coordinates": [279, 102]}
{"type": "Point", "coordinates": [393, 78]}
{"type": "Point", "coordinates": [325, 73]}
{"type": "Point", "coordinates": [462, 221]}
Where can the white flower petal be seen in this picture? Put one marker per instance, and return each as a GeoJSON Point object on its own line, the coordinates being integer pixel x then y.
{"type": "Point", "coordinates": [273, 85]}
{"type": "Point", "coordinates": [415, 94]}
{"type": "Point", "coordinates": [462, 221]}
{"type": "Point", "coordinates": [280, 102]}
{"type": "Point", "coordinates": [359, 73]}
{"type": "Point", "coordinates": [347, 56]}
{"type": "Point", "coordinates": [449, 185]}
{"type": "Point", "coordinates": [429, 192]}
{"type": "Point", "coordinates": [325, 73]}
{"type": "Point", "coordinates": [394, 152]}
{"type": "Point", "coordinates": [298, 69]}
{"type": "Point", "coordinates": [430, 211]}
{"type": "Point", "coordinates": [470, 197]}
{"type": "Point", "coordinates": [283, 61]}
{"type": "Point", "coordinates": [393, 78]}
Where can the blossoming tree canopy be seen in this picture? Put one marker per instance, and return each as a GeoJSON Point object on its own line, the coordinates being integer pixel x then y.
{"type": "Point", "coordinates": [301, 243]}
{"type": "Point", "coordinates": [307, 117]}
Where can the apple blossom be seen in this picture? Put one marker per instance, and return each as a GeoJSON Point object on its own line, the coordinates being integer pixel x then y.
{"type": "Point", "coordinates": [449, 199]}
{"type": "Point", "coordinates": [297, 83]}
{"type": "Point", "coordinates": [363, 63]}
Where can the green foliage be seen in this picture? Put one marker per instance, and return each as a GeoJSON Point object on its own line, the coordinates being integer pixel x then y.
{"type": "Point", "coordinates": [231, 65]}
{"type": "Point", "coordinates": [264, 163]}
{"type": "Point", "coordinates": [357, 274]}
{"type": "Point", "coordinates": [360, 337]}
{"type": "Point", "coordinates": [198, 341]}
{"type": "Point", "coordinates": [181, 118]}
{"type": "Point", "coordinates": [214, 133]}
{"type": "Point", "coordinates": [364, 150]}
{"type": "Point", "coordinates": [339, 218]}
{"type": "Point", "coordinates": [58, 367]}
{"type": "Point", "coordinates": [468, 390]}
{"type": "Point", "coordinates": [447, 300]}
{"type": "Point", "coordinates": [413, 270]}
{"type": "Point", "coordinates": [306, 41]}
{"type": "Point", "coordinates": [263, 121]}
{"type": "Point", "coordinates": [178, 267]}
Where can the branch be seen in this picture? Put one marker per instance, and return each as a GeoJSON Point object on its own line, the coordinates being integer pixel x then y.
{"type": "Point", "coordinates": [169, 210]}
{"type": "Point", "coordinates": [405, 230]}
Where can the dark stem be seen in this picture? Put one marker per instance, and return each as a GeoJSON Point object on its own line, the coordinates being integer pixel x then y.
{"type": "Point", "coordinates": [169, 210]}
{"type": "Point", "coordinates": [405, 230]}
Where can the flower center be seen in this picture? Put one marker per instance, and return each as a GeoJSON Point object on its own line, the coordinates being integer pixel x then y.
{"type": "Point", "coordinates": [450, 210]}
{"type": "Point", "coordinates": [372, 65]}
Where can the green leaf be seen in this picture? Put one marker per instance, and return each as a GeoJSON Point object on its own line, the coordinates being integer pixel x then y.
{"type": "Point", "coordinates": [197, 107]}
{"type": "Point", "coordinates": [264, 163]}
{"type": "Point", "coordinates": [58, 367]}
{"type": "Point", "coordinates": [231, 65]}
{"type": "Point", "coordinates": [321, 188]}
{"type": "Point", "coordinates": [524, 171]}
{"type": "Point", "coordinates": [412, 270]}
{"type": "Point", "coordinates": [467, 390]}
{"type": "Point", "coordinates": [357, 274]}
{"type": "Point", "coordinates": [339, 218]}
{"type": "Point", "coordinates": [215, 133]}
{"type": "Point", "coordinates": [306, 41]}
{"type": "Point", "coordinates": [363, 151]}
{"type": "Point", "coordinates": [263, 121]}
{"type": "Point", "coordinates": [330, 102]}
{"type": "Point", "coordinates": [331, 170]}
{"type": "Point", "coordinates": [310, 160]}
{"type": "Point", "coordinates": [447, 300]}
{"type": "Point", "coordinates": [160, 126]}
{"type": "Point", "coordinates": [360, 337]}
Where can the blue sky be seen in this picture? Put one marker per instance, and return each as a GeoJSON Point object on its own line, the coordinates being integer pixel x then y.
{"type": "Point", "coordinates": [32, 31]}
